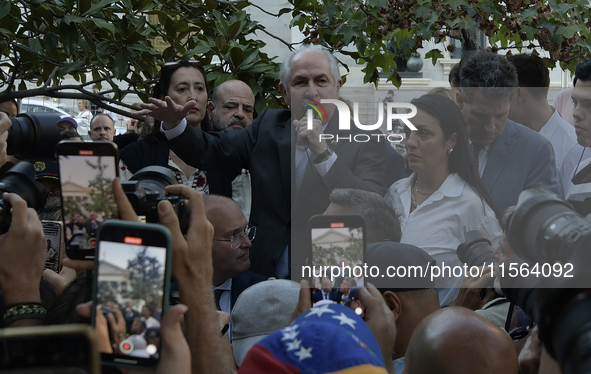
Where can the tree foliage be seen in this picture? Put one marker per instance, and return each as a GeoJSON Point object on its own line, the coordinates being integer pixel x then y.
{"type": "Point", "coordinates": [146, 278]}
{"type": "Point", "coordinates": [332, 254]}
{"type": "Point", "coordinates": [373, 32]}
{"type": "Point", "coordinates": [101, 192]}
{"type": "Point", "coordinates": [116, 43]}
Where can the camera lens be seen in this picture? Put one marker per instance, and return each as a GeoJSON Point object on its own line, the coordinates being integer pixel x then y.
{"type": "Point", "coordinates": [33, 137]}
{"type": "Point", "coordinates": [20, 179]}
{"type": "Point", "coordinates": [476, 250]}
{"type": "Point", "coordinates": [544, 228]}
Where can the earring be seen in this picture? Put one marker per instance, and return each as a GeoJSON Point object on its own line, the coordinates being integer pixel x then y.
{"type": "Point", "coordinates": [449, 152]}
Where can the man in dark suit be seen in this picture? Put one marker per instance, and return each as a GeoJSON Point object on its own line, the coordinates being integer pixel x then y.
{"type": "Point", "coordinates": [230, 250]}
{"type": "Point", "coordinates": [510, 157]}
{"type": "Point", "coordinates": [273, 148]}
{"type": "Point", "coordinates": [326, 292]}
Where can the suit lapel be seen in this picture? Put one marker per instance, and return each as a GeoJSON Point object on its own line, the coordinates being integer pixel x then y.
{"type": "Point", "coordinates": [498, 155]}
{"type": "Point", "coordinates": [239, 284]}
{"type": "Point", "coordinates": [285, 147]}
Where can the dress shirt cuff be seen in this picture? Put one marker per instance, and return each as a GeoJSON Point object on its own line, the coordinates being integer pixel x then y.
{"type": "Point", "coordinates": [175, 131]}
{"type": "Point", "coordinates": [325, 166]}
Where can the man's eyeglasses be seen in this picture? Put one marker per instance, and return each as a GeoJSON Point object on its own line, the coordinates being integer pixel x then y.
{"type": "Point", "coordinates": [236, 240]}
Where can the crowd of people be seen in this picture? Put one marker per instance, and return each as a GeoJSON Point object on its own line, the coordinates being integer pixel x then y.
{"type": "Point", "coordinates": [253, 180]}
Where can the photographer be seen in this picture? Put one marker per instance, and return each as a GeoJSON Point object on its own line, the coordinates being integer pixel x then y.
{"type": "Point", "coordinates": [22, 249]}
{"type": "Point", "coordinates": [192, 270]}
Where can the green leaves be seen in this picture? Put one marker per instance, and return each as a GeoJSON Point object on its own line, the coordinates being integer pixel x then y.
{"type": "Point", "coordinates": [130, 39]}
{"type": "Point", "coordinates": [97, 7]}
{"type": "Point", "coordinates": [434, 54]}
{"type": "Point", "coordinates": [69, 36]}
{"type": "Point", "coordinates": [567, 31]}
{"type": "Point", "coordinates": [4, 9]}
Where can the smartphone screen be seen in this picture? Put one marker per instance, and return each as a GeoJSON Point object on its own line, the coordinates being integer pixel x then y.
{"type": "Point", "coordinates": [48, 350]}
{"type": "Point", "coordinates": [53, 231]}
{"type": "Point", "coordinates": [132, 279]}
{"type": "Point", "coordinates": [338, 249]}
{"type": "Point", "coordinates": [87, 171]}
{"type": "Point", "coordinates": [518, 324]}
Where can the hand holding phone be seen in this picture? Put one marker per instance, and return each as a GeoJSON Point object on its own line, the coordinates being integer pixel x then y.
{"type": "Point", "coordinates": [192, 269]}
{"type": "Point", "coordinates": [87, 170]}
{"type": "Point", "coordinates": [132, 268]}
{"type": "Point", "coordinates": [175, 357]}
{"type": "Point", "coordinates": [22, 250]}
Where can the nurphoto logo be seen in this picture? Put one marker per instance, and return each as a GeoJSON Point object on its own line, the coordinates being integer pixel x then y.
{"type": "Point", "coordinates": [317, 111]}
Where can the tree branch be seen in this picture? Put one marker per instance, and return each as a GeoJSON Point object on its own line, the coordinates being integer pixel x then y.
{"type": "Point", "coordinates": [82, 94]}
{"type": "Point", "coordinates": [258, 26]}
{"type": "Point", "coordinates": [50, 76]}
{"type": "Point", "coordinates": [231, 3]}
{"type": "Point", "coordinates": [263, 10]}
{"type": "Point", "coordinates": [17, 65]}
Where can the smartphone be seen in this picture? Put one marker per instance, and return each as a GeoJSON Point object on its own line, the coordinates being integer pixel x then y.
{"type": "Point", "coordinates": [49, 350]}
{"type": "Point", "coordinates": [338, 249]}
{"type": "Point", "coordinates": [54, 238]}
{"type": "Point", "coordinates": [86, 171]}
{"type": "Point", "coordinates": [517, 324]}
{"type": "Point", "coordinates": [132, 281]}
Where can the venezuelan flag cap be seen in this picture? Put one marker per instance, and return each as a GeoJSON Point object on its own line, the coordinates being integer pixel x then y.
{"type": "Point", "coordinates": [329, 338]}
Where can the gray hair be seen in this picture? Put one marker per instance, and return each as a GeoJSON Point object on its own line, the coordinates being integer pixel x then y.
{"type": "Point", "coordinates": [285, 72]}
{"type": "Point", "coordinates": [380, 218]}
{"type": "Point", "coordinates": [490, 74]}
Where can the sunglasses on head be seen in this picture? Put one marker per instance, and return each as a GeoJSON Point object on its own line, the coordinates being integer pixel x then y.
{"type": "Point", "coordinates": [172, 64]}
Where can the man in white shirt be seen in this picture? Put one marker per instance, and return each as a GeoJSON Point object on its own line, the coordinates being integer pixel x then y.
{"type": "Point", "coordinates": [530, 108]}
{"type": "Point", "coordinates": [582, 114]}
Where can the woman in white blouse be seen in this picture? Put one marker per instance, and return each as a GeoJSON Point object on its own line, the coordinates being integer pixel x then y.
{"type": "Point", "coordinates": [444, 197]}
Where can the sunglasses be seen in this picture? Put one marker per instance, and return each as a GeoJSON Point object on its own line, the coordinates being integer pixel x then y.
{"type": "Point", "coordinates": [172, 64]}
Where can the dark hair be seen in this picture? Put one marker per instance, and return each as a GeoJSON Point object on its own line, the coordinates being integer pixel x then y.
{"type": "Point", "coordinates": [489, 74]}
{"type": "Point", "coordinates": [454, 73]}
{"type": "Point", "coordinates": [461, 159]}
{"type": "Point", "coordinates": [532, 72]}
{"type": "Point", "coordinates": [583, 72]}
{"type": "Point", "coordinates": [380, 218]}
{"type": "Point", "coordinates": [69, 134]}
{"type": "Point", "coordinates": [63, 310]}
{"type": "Point", "coordinates": [162, 86]}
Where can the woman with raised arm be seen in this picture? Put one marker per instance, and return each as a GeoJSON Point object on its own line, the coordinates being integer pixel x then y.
{"type": "Point", "coordinates": [182, 82]}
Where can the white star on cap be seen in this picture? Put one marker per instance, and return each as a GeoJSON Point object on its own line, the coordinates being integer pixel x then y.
{"type": "Point", "coordinates": [304, 353]}
{"type": "Point", "coordinates": [293, 345]}
{"type": "Point", "coordinates": [291, 335]}
{"type": "Point", "coordinates": [290, 328]}
{"type": "Point", "coordinates": [319, 311]}
{"type": "Point", "coordinates": [345, 320]}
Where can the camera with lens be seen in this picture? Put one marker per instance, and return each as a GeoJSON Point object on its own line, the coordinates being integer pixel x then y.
{"type": "Point", "coordinates": [147, 188]}
{"type": "Point", "coordinates": [20, 179]}
{"type": "Point", "coordinates": [33, 137]}
{"type": "Point", "coordinates": [547, 232]}
{"type": "Point", "coordinates": [476, 250]}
